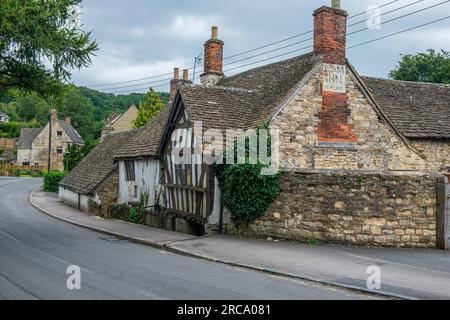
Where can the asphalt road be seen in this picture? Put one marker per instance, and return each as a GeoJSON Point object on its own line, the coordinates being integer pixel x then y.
{"type": "Point", "coordinates": [36, 250]}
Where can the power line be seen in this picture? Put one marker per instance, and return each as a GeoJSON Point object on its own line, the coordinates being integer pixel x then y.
{"type": "Point", "coordinates": [401, 17]}
{"type": "Point", "coordinates": [233, 56]}
{"type": "Point", "coordinates": [387, 12]}
{"type": "Point", "coordinates": [296, 43]}
{"type": "Point", "coordinates": [396, 33]}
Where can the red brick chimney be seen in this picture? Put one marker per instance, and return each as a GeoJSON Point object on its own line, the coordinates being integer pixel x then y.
{"type": "Point", "coordinates": [213, 60]}
{"type": "Point", "coordinates": [334, 128]}
{"type": "Point", "coordinates": [54, 115]}
{"type": "Point", "coordinates": [330, 32]}
{"type": "Point", "coordinates": [69, 120]}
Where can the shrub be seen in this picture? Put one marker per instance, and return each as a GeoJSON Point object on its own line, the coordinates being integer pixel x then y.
{"type": "Point", "coordinates": [134, 216]}
{"type": "Point", "coordinates": [52, 179]}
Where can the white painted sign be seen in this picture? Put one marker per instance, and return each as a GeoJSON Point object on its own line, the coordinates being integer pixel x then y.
{"type": "Point", "coordinates": [334, 78]}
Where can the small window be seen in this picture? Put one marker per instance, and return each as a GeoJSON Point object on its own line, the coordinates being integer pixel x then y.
{"type": "Point", "coordinates": [25, 163]}
{"type": "Point", "coordinates": [60, 133]}
{"type": "Point", "coordinates": [59, 150]}
{"type": "Point", "coordinates": [129, 171]}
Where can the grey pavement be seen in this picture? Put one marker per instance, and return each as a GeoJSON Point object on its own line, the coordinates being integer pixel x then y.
{"type": "Point", "coordinates": [36, 250]}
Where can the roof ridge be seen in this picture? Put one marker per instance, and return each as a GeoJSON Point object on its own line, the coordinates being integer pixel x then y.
{"type": "Point", "coordinates": [409, 82]}
{"type": "Point", "coordinates": [224, 88]}
{"type": "Point", "coordinates": [269, 64]}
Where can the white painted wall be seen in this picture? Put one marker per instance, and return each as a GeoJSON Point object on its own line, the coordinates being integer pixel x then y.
{"type": "Point", "coordinates": [71, 198]}
{"type": "Point", "coordinates": [23, 155]}
{"type": "Point", "coordinates": [147, 180]}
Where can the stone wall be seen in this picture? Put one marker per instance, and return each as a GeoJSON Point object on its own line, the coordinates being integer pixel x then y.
{"type": "Point", "coordinates": [6, 143]}
{"type": "Point", "coordinates": [107, 196]}
{"type": "Point", "coordinates": [377, 146]}
{"type": "Point", "coordinates": [393, 210]}
{"type": "Point", "coordinates": [437, 153]}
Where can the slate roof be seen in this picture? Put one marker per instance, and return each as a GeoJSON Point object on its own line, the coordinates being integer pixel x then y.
{"type": "Point", "coordinates": [271, 84]}
{"type": "Point", "coordinates": [71, 132]}
{"type": "Point", "coordinates": [218, 107]}
{"type": "Point", "coordinates": [96, 166]}
{"type": "Point", "coordinates": [27, 136]}
{"type": "Point", "coordinates": [144, 142]}
{"type": "Point", "coordinates": [248, 99]}
{"type": "Point", "coordinates": [418, 110]}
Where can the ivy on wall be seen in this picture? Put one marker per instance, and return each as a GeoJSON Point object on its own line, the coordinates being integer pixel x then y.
{"type": "Point", "coordinates": [247, 193]}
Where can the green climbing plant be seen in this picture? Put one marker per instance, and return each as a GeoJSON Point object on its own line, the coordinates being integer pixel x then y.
{"type": "Point", "coordinates": [247, 193]}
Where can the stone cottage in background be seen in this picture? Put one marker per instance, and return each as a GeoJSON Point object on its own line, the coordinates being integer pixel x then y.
{"type": "Point", "coordinates": [33, 145]}
{"type": "Point", "coordinates": [120, 123]}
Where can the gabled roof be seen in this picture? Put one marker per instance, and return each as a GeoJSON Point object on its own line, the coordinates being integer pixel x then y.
{"type": "Point", "coordinates": [248, 99]}
{"type": "Point", "coordinates": [218, 107]}
{"type": "Point", "coordinates": [144, 142]}
{"type": "Point", "coordinates": [71, 132]}
{"type": "Point", "coordinates": [88, 175]}
{"type": "Point", "coordinates": [271, 84]}
{"type": "Point", "coordinates": [27, 136]}
{"type": "Point", "coordinates": [418, 110]}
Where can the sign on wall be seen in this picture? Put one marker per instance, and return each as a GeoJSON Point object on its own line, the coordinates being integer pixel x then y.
{"type": "Point", "coordinates": [334, 78]}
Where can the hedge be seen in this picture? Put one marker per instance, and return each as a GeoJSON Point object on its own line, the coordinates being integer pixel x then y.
{"type": "Point", "coordinates": [52, 179]}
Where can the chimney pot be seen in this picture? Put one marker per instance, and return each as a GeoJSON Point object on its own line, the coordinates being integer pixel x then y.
{"type": "Point", "coordinates": [186, 75]}
{"type": "Point", "coordinates": [336, 4]}
{"type": "Point", "coordinates": [176, 73]}
{"type": "Point", "coordinates": [69, 120]}
{"type": "Point", "coordinates": [54, 115]}
{"type": "Point", "coordinates": [214, 33]}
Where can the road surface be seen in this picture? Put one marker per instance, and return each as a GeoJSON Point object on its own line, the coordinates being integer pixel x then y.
{"type": "Point", "coordinates": [36, 250]}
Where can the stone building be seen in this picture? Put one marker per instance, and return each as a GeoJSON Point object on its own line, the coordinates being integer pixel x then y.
{"type": "Point", "coordinates": [120, 123]}
{"type": "Point", "coordinates": [362, 158]}
{"type": "Point", "coordinates": [335, 126]}
{"type": "Point", "coordinates": [33, 145]}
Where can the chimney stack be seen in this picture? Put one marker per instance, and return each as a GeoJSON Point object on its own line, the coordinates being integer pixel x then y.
{"type": "Point", "coordinates": [213, 59]}
{"type": "Point", "coordinates": [174, 83]}
{"type": "Point", "coordinates": [330, 31]}
{"type": "Point", "coordinates": [54, 115]}
{"type": "Point", "coordinates": [334, 128]}
{"type": "Point", "coordinates": [69, 120]}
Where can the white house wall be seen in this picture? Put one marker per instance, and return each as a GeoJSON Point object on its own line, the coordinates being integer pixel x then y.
{"type": "Point", "coordinates": [147, 179]}
{"type": "Point", "coordinates": [71, 198]}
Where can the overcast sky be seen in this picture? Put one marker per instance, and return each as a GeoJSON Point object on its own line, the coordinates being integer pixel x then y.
{"type": "Point", "coordinates": [143, 38]}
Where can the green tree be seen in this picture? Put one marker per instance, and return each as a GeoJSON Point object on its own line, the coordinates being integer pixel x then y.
{"type": "Point", "coordinates": [148, 108]}
{"type": "Point", "coordinates": [31, 106]}
{"type": "Point", "coordinates": [430, 66]}
{"type": "Point", "coordinates": [81, 111]}
{"type": "Point", "coordinates": [75, 154]}
{"type": "Point", "coordinates": [40, 43]}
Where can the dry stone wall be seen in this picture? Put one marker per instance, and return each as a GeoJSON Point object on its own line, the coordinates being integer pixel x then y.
{"type": "Point", "coordinates": [393, 210]}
